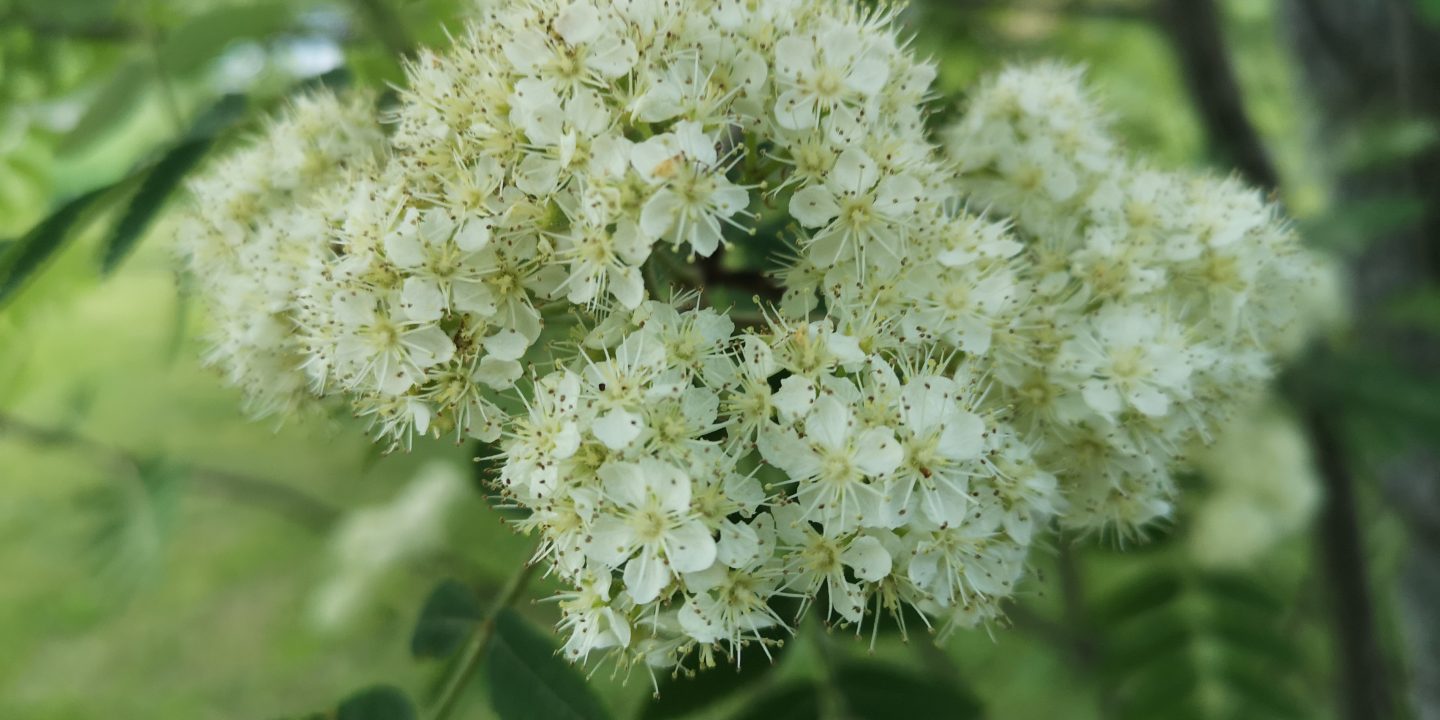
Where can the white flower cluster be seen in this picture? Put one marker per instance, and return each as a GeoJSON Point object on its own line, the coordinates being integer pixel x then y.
{"type": "Point", "coordinates": [250, 240]}
{"type": "Point", "coordinates": [931, 390]}
{"type": "Point", "coordinates": [644, 461]}
{"type": "Point", "coordinates": [376, 541]}
{"type": "Point", "coordinates": [1159, 299]}
{"type": "Point", "coordinates": [1262, 489]}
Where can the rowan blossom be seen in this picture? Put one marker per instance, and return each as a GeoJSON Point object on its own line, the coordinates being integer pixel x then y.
{"type": "Point", "coordinates": [972, 343]}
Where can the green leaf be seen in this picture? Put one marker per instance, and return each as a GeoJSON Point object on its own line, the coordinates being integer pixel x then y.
{"type": "Point", "coordinates": [116, 100]}
{"type": "Point", "coordinates": [134, 522]}
{"type": "Point", "coordinates": [1349, 228]}
{"type": "Point", "coordinates": [218, 117]}
{"type": "Point", "coordinates": [166, 175]}
{"type": "Point", "coordinates": [1429, 11]}
{"type": "Point", "coordinates": [1149, 591]}
{"type": "Point", "coordinates": [874, 691]}
{"type": "Point", "coordinates": [1197, 646]}
{"type": "Point", "coordinates": [529, 681]}
{"type": "Point", "coordinates": [65, 13]}
{"type": "Point", "coordinates": [1385, 142]}
{"type": "Point", "coordinates": [190, 47]}
{"type": "Point", "coordinates": [381, 702]}
{"type": "Point", "coordinates": [791, 701]}
{"type": "Point", "coordinates": [448, 617]}
{"type": "Point", "coordinates": [26, 255]}
{"type": "Point", "coordinates": [1371, 388]}
{"type": "Point", "coordinates": [685, 694]}
{"type": "Point", "coordinates": [1418, 309]}
{"type": "Point", "coordinates": [160, 181]}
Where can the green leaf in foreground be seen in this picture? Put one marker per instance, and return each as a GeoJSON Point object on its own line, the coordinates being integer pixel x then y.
{"type": "Point", "coordinates": [449, 616]}
{"type": "Point", "coordinates": [26, 255]}
{"type": "Point", "coordinates": [381, 702]}
{"type": "Point", "coordinates": [529, 681]}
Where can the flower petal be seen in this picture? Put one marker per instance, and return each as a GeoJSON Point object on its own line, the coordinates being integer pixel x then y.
{"type": "Point", "coordinates": [813, 206]}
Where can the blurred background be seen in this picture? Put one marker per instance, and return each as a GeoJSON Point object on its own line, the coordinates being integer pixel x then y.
{"type": "Point", "coordinates": [163, 557]}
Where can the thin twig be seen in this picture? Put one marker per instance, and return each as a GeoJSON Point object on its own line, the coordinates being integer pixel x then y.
{"type": "Point", "coordinates": [304, 509]}
{"type": "Point", "coordinates": [475, 647]}
{"type": "Point", "coordinates": [1072, 593]}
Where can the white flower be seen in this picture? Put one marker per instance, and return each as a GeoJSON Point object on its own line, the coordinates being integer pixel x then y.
{"type": "Point", "coordinates": [824, 70]}
{"type": "Point", "coordinates": [817, 560]}
{"type": "Point", "coordinates": [695, 197]}
{"type": "Point", "coordinates": [856, 210]}
{"type": "Point", "coordinates": [933, 389]}
{"type": "Point", "coordinates": [730, 600]}
{"type": "Point", "coordinates": [954, 565]}
{"type": "Point", "coordinates": [1132, 359]}
{"type": "Point", "coordinates": [592, 622]}
{"type": "Point", "coordinates": [602, 261]}
{"type": "Point", "coordinates": [835, 465]}
{"type": "Point", "coordinates": [942, 442]}
{"type": "Point", "coordinates": [446, 272]}
{"type": "Point", "coordinates": [655, 533]}
{"type": "Point", "coordinates": [376, 347]}
{"type": "Point", "coordinates": [589, 47]}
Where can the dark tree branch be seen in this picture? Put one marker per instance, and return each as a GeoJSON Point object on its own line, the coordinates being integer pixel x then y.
{"type": "Point", "coordinates": [1367, 61]}
{"type": "Point", "coordinates": [296, 505]}
{"type": "Point", "coordinates": [1364, 682]}
{"type": "Point", "coordinates": [1195, 30]}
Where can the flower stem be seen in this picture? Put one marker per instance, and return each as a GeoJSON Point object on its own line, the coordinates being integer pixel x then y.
{"type": "Point", "coordinates": [475, 647]}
